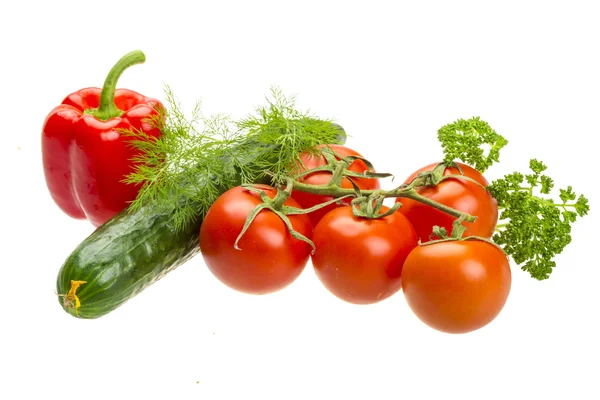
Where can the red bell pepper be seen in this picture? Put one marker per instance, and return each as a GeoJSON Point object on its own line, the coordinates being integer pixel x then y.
{"type": "Point", "coordinates": [85, 154]}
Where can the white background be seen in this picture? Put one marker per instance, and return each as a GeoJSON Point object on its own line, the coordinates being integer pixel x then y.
{"type": "Point", "coordinates": [391, 73]}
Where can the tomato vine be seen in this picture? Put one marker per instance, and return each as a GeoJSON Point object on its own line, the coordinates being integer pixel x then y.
{"type": "Point", "coordinates": [532, 228]}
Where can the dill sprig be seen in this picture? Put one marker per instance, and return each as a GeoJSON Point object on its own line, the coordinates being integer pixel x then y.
{"type": "Point", "coordinates": [279, 122]}
{"type": "Point", "coordinates": [197, 158]}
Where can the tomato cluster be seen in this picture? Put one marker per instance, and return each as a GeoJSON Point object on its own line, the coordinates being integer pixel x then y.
{"type": "Point", "coordinates": [452, 285]}
{"type": "Point", "coordinates": [310, 161]}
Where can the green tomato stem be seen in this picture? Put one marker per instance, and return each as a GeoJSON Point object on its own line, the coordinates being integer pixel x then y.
{"type": "Point", "coordinates": [400, 192]}
{"type": "Point", "coordinates": [338, 174]}
{"type": "Point", "coordinates": [276, 206]}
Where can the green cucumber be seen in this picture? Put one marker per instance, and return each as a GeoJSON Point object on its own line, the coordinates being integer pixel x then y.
{"type": "Point", "coordinates": [120, 259]}
{"type": "Point", "coordinates": [124, 256]}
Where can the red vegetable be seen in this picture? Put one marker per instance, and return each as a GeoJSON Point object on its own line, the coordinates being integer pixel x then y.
{"type": "Point", "coordinates": [85, 155]}
{"type": "Point", "coordinates": [310, 161]}
{"type": "Point", "coordinates": [457, 193]}
{"type": "Point", "coordinates": [360, 259]}
{"type": "Point", "coordinates": [456, 286]}
{"type": "Point", "coordinates": [268, 258]}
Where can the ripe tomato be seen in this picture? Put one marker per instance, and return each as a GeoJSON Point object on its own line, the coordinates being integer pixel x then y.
{"type": "Point", "coordinates": [268, 259]}
{"type": "Point", "coordinates": [310, 161]}
{"type": "Point", "coordinates": [360, 259]}
{"type": "Point", "coordinates": [456, 286]}
{"type": "Point", "coordinates": [459, 194]}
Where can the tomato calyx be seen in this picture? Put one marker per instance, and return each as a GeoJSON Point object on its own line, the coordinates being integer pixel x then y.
{"type": "Point", "coordinates": [370, 206]}
{"type": "Point", "coordinates": [372, 198]}
{"type": "Point", "coordinates": [436, 176]}
{"type": "Point", "coordinates": [458, 230]}
{"type": "Point", "coordinates": [276, 206]}
{"type": "Point", "coordinates": [338, 165]}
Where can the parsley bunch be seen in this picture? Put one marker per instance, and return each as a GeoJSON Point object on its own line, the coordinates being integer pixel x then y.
{"type": "Point", "coordinates": [464, 140]}
{"type": "Point", "coordinates": [533, 227]}
{"type": "Point", "coordinates": [538, 227]}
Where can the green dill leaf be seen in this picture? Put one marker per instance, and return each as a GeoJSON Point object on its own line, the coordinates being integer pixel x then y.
{"type": "Point", "coordinates": [279, 122]}
{"type": "Point", "coordinates": [534, 228]}
{"type": "Point", "coordinates": [199, 157]}
{"type": "Point", "coordinates": [465, 140]}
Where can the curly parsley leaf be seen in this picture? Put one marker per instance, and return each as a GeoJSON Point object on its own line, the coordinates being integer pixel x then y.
{"type": "Point", "coordinates": [466, 140]}
{"type": "Point", "coordinates": [537, 227]}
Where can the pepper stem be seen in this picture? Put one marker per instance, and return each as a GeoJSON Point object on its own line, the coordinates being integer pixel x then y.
{"type": "Point", "coordinates": [107, 108]}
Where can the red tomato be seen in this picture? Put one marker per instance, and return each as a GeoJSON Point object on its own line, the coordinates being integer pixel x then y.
{"type": "Point", "coordinates": [359, 259]}
{"type": "Point", "coordinates": [456, 286]}
{"type": "Point", "coordinates": [310, 161]}
{"type": "Point", "coordinates": [459, 194]}
{"type": "Point", "coordinates": [268, 259]}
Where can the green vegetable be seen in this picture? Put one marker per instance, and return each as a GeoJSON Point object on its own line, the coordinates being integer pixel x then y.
{"type": "Point", "coordinates": [121, 258]}
{"type": "Point", "coordinates": [467, 140]}
{"type": "Point", "coordinates": [187, 170]}
{"type": "Point", "coordinates": [199, 163]}
{"type": "Point", "coordinates": [533, 227]}
{"type": "Point", "coordinates": [538, 226]}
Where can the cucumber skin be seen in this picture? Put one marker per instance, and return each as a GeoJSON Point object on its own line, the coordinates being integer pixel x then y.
{"type": "Point", "coordinates": [122, 257]}
{"type": "Point", "coordinates": [128, 253]}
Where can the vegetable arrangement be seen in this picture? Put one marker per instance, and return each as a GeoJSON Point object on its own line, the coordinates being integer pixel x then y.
{"type": "Point", "coordinates": [261, 196]}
